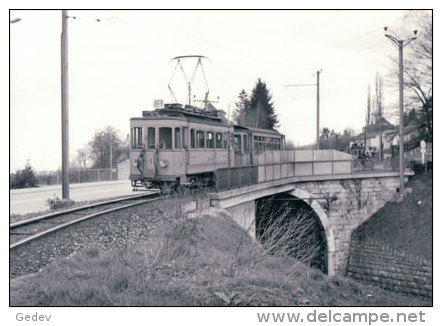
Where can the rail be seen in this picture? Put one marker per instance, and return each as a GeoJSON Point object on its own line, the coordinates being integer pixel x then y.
{"type": "Point", "coordinates": [23, 232]}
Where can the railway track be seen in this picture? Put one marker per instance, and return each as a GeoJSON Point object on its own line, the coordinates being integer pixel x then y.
{"type": "Point", "coordinates": [25, 231]}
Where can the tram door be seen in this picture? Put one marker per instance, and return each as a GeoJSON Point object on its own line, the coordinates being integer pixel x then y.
{"type": "Point", "coordinates": [151, 152]}
{"type": "Point", "coordinates": [237, 149]}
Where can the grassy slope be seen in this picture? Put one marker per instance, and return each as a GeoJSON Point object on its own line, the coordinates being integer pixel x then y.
{"type": "Point", "coordinates": [208, 261]}
{"type": "Point", "coordinates": [407, 225]}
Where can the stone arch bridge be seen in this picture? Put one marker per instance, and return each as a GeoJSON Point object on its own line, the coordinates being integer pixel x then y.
{"type": "Point", "coordinates": [341, 202]}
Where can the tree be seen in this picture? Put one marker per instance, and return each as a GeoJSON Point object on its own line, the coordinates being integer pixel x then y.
{"type": "Point", "coordinates": [262, 107]}
{"type": "Point", "coordinates": [379, 109]}
{"type": "Point", "coordinates": [330, 139]}
{"type": "Point", "coordinates": [80, 160]}
{"type": "Point", "coordinates": [325, 133]}
{"type": "Point", "coordinates": [410, 117]}
{"type": "Point", "coordinates": [242, 111]}
{"type": "Point", "coordinates": [349, 132]}
{"type": "Point", "coordinates": [418, 70]}
{"type": "Point", "coordinates": [23, 178]}
{"type": "Point", "coordinates": [103, 143]}
{"type": "Point", "coordinates": [367, 115]}
{"type": "Point", "coordinates": [258, 111]}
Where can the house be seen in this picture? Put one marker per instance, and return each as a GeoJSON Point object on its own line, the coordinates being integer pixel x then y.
{"type": "Point", "coordinates": [390, 139]}
{"type": "Point", "coordinates": [369, 138]}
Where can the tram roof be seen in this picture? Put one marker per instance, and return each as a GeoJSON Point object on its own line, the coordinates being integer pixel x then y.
{"type": "Point", "coordinates": [258, 130]}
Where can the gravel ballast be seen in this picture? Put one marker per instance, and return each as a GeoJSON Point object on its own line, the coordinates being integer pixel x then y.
{"type": "Point", "coordinates": [105, 232]}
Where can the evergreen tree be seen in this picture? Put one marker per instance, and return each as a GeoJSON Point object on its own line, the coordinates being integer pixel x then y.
{"type": "Point", "coordinates": [261, 107]}
{"type": "Point", "coordinates": [23, 178]}
{"type": "Point", "coordinates": [242, 109]}
{"type": "Point", "coordinates": [256, 111]}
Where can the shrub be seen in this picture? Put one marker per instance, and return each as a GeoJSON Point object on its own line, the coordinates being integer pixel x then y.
{"type": "Point", "coordinates": [55, 202]}
{"type": "Point", "coordinates": [23, 178]}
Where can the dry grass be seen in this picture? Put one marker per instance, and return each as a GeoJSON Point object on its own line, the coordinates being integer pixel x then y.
{"type": "Point", "coordinates": [204, 261]}
{"type": "Point", "coordinates": [406, 225]}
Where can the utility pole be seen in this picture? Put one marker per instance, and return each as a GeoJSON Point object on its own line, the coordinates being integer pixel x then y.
{"type": "Point", "coordinates": [317, 108]}
{"type": "Point", "coordinates": [400, 44]}
{"type": "Point", "coordinates": [317, 104]}
{"type": "Point", "coordinates": [110, 155]}
{"type": "Point", "coordinates": [64, 107]}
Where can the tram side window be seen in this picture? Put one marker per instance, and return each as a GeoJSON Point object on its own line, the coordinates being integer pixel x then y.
{"type": "Point", "coordinates": [278, 144]}
{"type": "Point", "coordinates": [258, 143]}
{"type": "Point", "coordinates": [192, 138]}
{"type": "Point", "coordinates": [210, 140]}
{"type": "Point", "coordinates": [151, 137]}
{"type": "Point", "coordinates": [237, 143]}
{"type": "Point", "coordinates": [224, 140]}
{"type": "Point", "coordinates": [219, 140]}
{"type": "Point", "coordinates": [137, 137]}
{"type": "Point", "coordinates": [185, 138]}
{"type": "Point", "coordinates": [165, 138]}
{"type": "Point", "coordinates": [245, 142]}
{"type": "Point", "coordinates": [200, 138]}
{"type": "Point", "coordinates": [177, 137]}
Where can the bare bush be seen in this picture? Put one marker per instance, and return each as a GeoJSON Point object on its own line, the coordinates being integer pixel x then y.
{"type": "Point", "coordinates": [285, 233]}
{"type": "Point", "coordinates": [56, 203]}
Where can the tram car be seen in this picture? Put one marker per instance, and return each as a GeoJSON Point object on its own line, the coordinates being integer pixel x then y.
{"type": "Point", "coordinates": [178, 146]}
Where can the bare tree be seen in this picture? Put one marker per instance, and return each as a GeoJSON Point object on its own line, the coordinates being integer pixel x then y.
{"type": "Point", "coordinates": [418, 69]}
{"type": "Point", "coordinates": [379, 109]}
{"type": "Point", "coordinates": [81, 158]}
{"type": "Point", "coordinates": [104, 144]}
{"type": "Point", "coordinates": [367, 115]}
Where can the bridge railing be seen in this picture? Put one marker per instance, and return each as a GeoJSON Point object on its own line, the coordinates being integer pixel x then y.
{"type": "Point", "coordinates": [277, 165]}
{"type": "Point", "coordinates": [371, 164]}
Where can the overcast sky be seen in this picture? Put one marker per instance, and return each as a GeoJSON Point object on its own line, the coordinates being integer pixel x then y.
{"type": "Point", "coordinates": [121, 63]}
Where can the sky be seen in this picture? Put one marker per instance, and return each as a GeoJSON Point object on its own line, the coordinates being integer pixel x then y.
{"type": "Point", "coordinates": [120, 61]}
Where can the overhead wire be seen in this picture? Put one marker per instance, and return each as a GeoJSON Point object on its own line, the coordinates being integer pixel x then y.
{"type": "Point", "coordinates": [232, 50]}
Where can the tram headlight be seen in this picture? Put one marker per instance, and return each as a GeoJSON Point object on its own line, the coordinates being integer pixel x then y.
{"type": "Point", "coordinates": [164, 163]}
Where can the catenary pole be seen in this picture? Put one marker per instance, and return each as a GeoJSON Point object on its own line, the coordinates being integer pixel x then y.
{"type": "Point", "coordinates": [317, 104]}
{"type": "Point", "coordinates": [401, 115]}
{"type": "Point", "coordinates": [317, 108]}
{"type": "Point", "coordinates": [64, 107]}
{"type": "Point", "coordinates": [400, 44]}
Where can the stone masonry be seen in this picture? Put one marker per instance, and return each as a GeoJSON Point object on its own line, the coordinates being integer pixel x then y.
{"type": "Point", "coordinates": [374, 262]}
{"type": "Point", "coordinates": [342, 203]}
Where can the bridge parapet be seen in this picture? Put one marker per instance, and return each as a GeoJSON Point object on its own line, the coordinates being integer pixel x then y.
{"type": "Point", "coordinates": [285, 164]}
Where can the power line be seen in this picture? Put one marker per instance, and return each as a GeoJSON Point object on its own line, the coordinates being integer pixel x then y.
{"type": "Point", "coordinates": [248, 56]}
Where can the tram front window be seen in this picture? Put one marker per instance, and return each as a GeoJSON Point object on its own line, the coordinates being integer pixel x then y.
{"type": "Point", "coordinates": [151, 138]}
{"type": "Point", "coordinates": [165, 134]}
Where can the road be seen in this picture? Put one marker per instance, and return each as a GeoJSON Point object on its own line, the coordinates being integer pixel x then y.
{"type": "Point", "coordinates": [30, 200]}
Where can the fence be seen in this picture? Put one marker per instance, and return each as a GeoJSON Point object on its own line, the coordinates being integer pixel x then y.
{"type": "Point", "coordinates": [77, 176]}
{"type": "Point", "coordinates": [370, 164]}
{"type": "Point", "coordinates": [277, 165]}
{"type": "Point", "coordinates": [389, 164]}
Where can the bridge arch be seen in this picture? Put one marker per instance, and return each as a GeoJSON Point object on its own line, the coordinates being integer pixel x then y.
{"type": "Point", "coordinates": [325, 221]}
{"type": "Point", "coordinates": [305, 212]}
